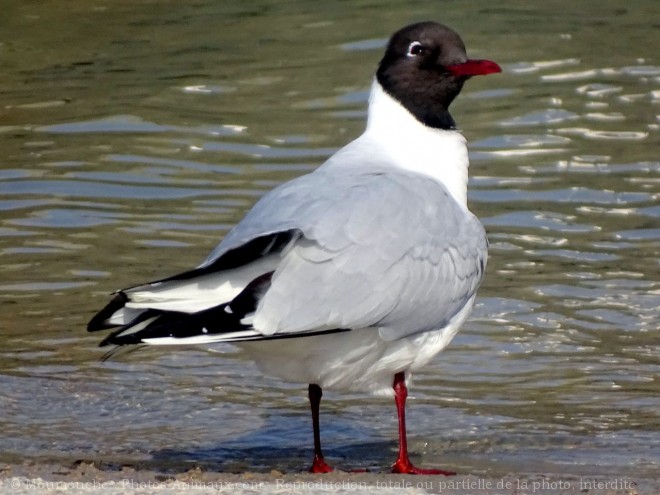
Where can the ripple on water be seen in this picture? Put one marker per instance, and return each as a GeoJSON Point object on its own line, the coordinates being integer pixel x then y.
{"type": "Point", "coordinates": [131, 124]}
{"type": "Point", "coordinates": [541, 118]}
{"type": "Point", "coordinates": [558, 364]}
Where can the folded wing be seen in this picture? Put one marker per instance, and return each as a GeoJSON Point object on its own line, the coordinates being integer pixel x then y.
{"type": "Point", "coordinates": [323, 253]}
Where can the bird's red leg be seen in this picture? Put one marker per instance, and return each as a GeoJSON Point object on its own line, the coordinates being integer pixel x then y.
{"type": "Point", "coordinates": [403, 464]}
{"type": "Point", "coordinates": [319, 465]}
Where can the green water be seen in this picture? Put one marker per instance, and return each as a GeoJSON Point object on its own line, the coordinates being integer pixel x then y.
{"type": "Point", "coordinates": [133, 135]}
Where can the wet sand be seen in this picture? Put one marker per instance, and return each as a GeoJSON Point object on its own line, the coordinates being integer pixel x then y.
{"type": "Point", "coordinates": [85, 478]}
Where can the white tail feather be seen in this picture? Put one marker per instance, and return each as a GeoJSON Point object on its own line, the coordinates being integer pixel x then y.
{"type": "Point", "coordinates": [199, 293]}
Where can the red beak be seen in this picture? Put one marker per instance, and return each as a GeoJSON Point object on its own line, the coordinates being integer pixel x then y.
{"type": "Point", "coordinates": [474, 68]}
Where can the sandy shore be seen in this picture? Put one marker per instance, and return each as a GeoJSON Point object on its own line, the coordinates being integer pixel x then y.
{"type": "Point", "coordinates": [86, 478]}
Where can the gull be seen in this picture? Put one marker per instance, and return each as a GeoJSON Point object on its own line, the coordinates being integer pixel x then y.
{"type": "Point", "coordinates": [354, 276]}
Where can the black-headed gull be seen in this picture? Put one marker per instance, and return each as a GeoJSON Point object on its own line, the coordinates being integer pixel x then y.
{"type": "Point", "coordinates": [356, 275]}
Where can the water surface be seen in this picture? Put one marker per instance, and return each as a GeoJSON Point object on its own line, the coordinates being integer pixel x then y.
{"type": "Point", "coordinates": [134, 135]}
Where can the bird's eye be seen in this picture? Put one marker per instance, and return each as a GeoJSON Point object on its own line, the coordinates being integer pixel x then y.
{"type": "Point", "coordinates": [415, 49]}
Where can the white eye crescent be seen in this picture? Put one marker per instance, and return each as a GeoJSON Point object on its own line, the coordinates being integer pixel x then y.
{"type": "Point", "coordinates": [415, 49]}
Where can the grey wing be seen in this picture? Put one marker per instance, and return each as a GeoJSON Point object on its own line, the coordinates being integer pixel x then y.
{"type": "Point", "coordinates": [386, 250]}
{"type": "Point", "coordinates": [324, 252]}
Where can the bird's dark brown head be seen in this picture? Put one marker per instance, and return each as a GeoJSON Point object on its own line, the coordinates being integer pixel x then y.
{"type": "Point", "coordinates": [424, 68]}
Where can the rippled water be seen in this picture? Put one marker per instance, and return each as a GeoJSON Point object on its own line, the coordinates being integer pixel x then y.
{"type": "Point", "coordinates": [134, 135]}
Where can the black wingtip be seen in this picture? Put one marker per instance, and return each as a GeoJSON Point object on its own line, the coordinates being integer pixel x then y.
{"type": "Point", "coordinates": [110, 353]}
{"type": "Point", "coordinates": [99, 322]}
{"type": "Point", "coordinates": [117, 350]}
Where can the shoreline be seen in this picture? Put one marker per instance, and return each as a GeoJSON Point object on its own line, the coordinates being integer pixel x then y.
{"type": "Point", "coordinates": [84, 478]}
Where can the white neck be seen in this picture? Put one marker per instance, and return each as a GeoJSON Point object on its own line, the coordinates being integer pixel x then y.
{"type": "Point", "coordinates": [440, 154]}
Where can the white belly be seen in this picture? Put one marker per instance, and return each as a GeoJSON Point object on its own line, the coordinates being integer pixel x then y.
{"type": "Point", "coordinates": [359, 360]}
